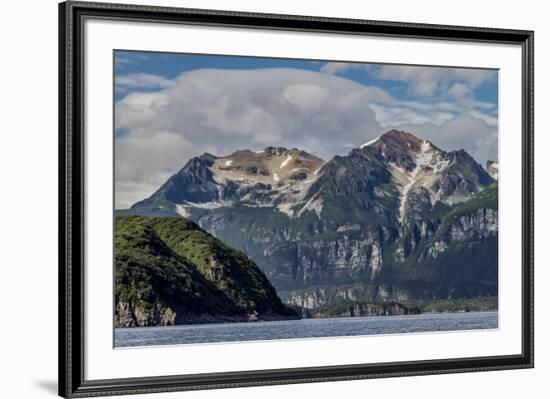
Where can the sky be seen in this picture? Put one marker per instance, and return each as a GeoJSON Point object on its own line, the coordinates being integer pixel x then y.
{"type": "Point", "coordinates": [172, 107]}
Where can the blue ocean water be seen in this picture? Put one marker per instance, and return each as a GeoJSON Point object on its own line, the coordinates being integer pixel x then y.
{"type": "Point", "coordinates": [305, 328]}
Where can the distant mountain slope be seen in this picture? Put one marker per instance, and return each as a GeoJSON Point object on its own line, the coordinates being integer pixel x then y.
{"type": "Point", "coordinates": [466, 242]}
{"type": "Point", "coordinates": [169, 271]}
{"type": "Point", "coordinates": [369, 217]}
{"type": "Point", "coordinates": [459, 261]}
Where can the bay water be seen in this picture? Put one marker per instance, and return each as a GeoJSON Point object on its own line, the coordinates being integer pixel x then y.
{"type": "Point", "coordinates": [305, 328]}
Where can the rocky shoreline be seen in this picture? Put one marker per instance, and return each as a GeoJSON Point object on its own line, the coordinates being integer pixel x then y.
{"type": "Point", "coordinates": [128, 316]}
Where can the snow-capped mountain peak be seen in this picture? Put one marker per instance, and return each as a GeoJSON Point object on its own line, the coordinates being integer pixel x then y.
{"type": "Point", "coordinates": [396, 173]}
{"type": "Point", "coordinates": [273, 177]}
{"type": "Point", "coordinates": [424, 174]}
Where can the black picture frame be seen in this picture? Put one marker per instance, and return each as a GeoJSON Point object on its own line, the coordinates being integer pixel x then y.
{"type": "Point", "coordinates": [71, 199]}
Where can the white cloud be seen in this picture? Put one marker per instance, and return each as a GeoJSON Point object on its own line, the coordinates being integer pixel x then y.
{"type": "Point", "coordinates": [306, 95]}
{"type": "Point", "coordinates": [435, 81]}
{"type": "Point", "coordinates": [460, 90]}
{"type": "Point", "coordinates": [394, 116]}
{"type": "Point", "coordinates": [231, 109]}
{"type": "Point", "coordinates": [333, 68]}
{"type": "Point", "coordinates": [142, 81]}
{"type": "Point", "coordinates": [422, 81]}
{"type": "Point", "coordinates": [143, 163]}
{"type": "Point", "coordinates": [220, 111]}
{"type": "Point", "coordinates": [488, 119]}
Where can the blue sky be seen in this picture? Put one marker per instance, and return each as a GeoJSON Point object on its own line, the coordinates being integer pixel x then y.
{"type": "Point", "coordinates": [171, 107]}
{"type": "Point", "coordinates": [170, 65]}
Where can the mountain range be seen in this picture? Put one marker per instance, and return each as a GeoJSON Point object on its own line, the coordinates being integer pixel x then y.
{"type": "Point", "coordinates": [397, 218]}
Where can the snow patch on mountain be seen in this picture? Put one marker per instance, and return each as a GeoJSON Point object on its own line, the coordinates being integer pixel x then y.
{"type": "Point", "coordinates": [423, 159]}
{"type": "Point", "coordinates": [314, 204]}
{"type": "Point", "coordinates": [404, 194]}
{"type": "Point", "coordinates": [286, 208]}
{"type": "Point", "coordinates": [285, 162]}
{"type": "Point", "coordinates": [371, 142]}
{"type": "Point", "coordinates": [375, 260]}
{"type": "Point", "coordinates": [431, 166]}
{"type": "Point", "coordinates": [492, 169]}
{"type": "Point", "coordinates": [182, 211]}
{"type": "Point", "coordinates": [456, 199]}
{"type": "Point", "coordinates": [205, 205]}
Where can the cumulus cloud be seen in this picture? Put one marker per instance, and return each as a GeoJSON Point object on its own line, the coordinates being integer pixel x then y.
{"type": "Point", "coordinates": [396, 115]}
{"type": "Point", "coordinates": [489, 119]}
{"type": "Point", "coordinates": [225, 110]}
{"type": "Point", "coordinates": [333, 68]}
{"type": "Point", "coordinates": [144, 162]}
{"type": "Point", "coordinates": [433, 81]}
{"type": "Point", "coordinates": [460, 90]}
{"type": "Point", "coordinates": [222, 110]}
{"type": "Point", "coordinates": [422, 81]}
{"type": "Point", "coordinates": [141, 81]}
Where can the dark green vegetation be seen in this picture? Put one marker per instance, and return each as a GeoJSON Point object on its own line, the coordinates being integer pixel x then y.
{"type": "Point", "coordinates": [362, 309]}
{"type": "Point", "coordinates": [169, 271]}
{"type": "Point", "coordinates": [485, 304]}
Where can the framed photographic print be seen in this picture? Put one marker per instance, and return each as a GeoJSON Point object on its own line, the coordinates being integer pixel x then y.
{"type": "Point", "coordinates": [251, 199]}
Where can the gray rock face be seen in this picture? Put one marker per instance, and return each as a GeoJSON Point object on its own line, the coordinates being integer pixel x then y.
{"type": "Point", "coordinates": [364, 310]}
{"type": "Point", "coordinates": [437, 248]}
{"type": "Point", "coordinates": [129, 315]}
{"type": "Point", "coordinates": [482, 223]}
{"type": "Point", "coordinates": [313, 298]}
